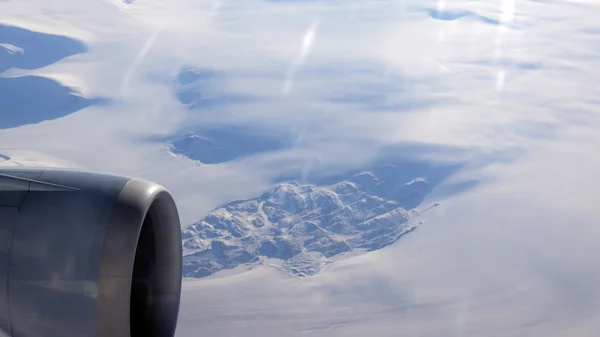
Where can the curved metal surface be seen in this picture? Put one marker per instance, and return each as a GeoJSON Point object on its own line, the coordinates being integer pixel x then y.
{"type": "Point", "coordinates": [14, 185]}
{"type": "Point", "coordinates": [56, 250]}
{"type": "Point", "coordinates": [68, 263]}
{"type": "Point", "coordinates": [8, 221]}
{"type": "Point", "coordinates": [139, 199]}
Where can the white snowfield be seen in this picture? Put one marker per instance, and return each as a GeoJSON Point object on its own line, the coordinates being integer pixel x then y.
{"type": "Point", "coordinates": [222, 101]}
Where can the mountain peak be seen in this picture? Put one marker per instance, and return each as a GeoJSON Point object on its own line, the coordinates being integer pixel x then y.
{"type": "Point", "coordinates": [303, 225]}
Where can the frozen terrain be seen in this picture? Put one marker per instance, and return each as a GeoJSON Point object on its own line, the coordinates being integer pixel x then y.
{"type": "Point", "coordinates": [268, 121]}
{"type": "Point", "coordinates": [305, 225]}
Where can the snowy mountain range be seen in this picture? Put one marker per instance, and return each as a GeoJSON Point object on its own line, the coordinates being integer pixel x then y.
{"type": "Point", "coordinates": [305, 225]}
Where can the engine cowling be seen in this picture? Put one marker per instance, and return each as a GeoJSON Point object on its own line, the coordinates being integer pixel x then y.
{"type": "Point", "coordinates": [87, 254]}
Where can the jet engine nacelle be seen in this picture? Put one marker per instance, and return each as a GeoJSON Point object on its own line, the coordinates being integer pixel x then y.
{"type": "Point", "coordinates": [86, 254]}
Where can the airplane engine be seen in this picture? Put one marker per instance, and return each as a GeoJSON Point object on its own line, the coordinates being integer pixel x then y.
{"type": "Point", "coordinates": [87, 254]}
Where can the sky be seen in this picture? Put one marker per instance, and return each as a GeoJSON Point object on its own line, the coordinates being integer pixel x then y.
{"type": "Point", "coordinates": [505, 89]}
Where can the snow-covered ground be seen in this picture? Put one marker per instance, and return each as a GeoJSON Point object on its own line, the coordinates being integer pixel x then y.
{"type": "Point", "coordinates": [223, 101]}
{"type": "Point", "coordinates": [305, 225]}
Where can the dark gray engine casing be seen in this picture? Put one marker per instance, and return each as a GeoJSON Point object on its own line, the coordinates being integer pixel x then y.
{"type": "Point", "coordinates": [87, 254]}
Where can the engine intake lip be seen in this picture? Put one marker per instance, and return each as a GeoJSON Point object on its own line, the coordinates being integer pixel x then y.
{"type": "Point", "coordinates": [140, 278]}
